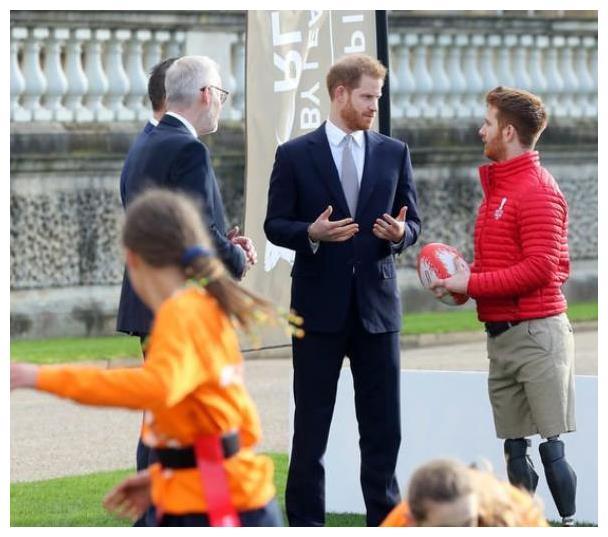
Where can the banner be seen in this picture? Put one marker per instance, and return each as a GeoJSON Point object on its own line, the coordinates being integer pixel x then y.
{"type": "Point", "coordinates": [288, 56]}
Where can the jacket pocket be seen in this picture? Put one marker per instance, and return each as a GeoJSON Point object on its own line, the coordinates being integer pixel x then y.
{"type": "Point", "coordinates": [387, 271]}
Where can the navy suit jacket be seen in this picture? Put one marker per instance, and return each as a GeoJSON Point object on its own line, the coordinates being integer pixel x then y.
{"type": "Point", "coordinates": [169, 156]}
{"type": "Point", "coordinates": [303, 183]}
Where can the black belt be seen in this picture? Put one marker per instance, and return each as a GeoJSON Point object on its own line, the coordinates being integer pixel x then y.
{"type": "Point", "coordinates": [494, 329]}
{"type": "Point", "coordinates": [182, 458]}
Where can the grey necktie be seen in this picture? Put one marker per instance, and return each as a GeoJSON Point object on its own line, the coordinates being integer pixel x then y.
{"type": "Point", "coordinates": [349, 177]}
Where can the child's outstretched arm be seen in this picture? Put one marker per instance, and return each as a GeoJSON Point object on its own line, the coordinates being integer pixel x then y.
{"type": "Point", "coordinates": [136, 388]}
{"type": "Point", "coordinates": [171, 371]}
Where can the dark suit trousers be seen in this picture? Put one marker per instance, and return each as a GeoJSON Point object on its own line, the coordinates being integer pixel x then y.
{"type": "Point", "coordinates": [374, 362]}
{"type": "Point", "coordinates": [145, 457]}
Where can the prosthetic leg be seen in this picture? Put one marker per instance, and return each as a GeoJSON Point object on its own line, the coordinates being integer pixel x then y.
{"type": "Point", "coordinates": [561, 478]}
{"type": "Point", "coordinates": [520, 469]}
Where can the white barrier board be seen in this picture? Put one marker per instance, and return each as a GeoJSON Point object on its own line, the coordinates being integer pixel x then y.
{"type": "Point", "coordinates": [448, 414]}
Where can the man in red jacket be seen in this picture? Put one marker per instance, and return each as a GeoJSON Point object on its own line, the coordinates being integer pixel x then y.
{"type": "Point", "coordinates": [521, 261]}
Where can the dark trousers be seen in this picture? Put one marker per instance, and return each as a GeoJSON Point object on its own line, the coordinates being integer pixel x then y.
{"type": "Point", "coordinates": [144, 457]}
{"type": "Point", "coordinates": [267, 516]}
{"type": "Point", "coordinates": [374, 362]}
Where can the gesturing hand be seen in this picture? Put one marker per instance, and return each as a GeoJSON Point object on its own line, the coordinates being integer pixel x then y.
{"type": "Point", "coordinates": [233, 233]}
{"type": "Point", "coordinates": [246, 245]}
{"type": "Point", "coordinates": [322, 229]}
{"type": "Point", "coordinates": [389, 228]}
{"type": "Point", "coordinates": [131, 498]}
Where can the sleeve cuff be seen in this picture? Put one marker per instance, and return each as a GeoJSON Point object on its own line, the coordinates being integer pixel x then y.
{"type": "Point", "coordinates": [397, 247]}
{"type": "Point", "coordinates": [314, 245]}
{"type": "Point", "coordinates": [472, 287]}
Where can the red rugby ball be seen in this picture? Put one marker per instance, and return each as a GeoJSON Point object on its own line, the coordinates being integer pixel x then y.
{"type": "Point", "coordinates": [437, 260]}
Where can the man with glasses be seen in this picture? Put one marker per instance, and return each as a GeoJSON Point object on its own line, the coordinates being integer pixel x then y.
{"type": "Point", "coordinates": [174, 157]}
{"type": "Point", "coordinates": [222, 93]}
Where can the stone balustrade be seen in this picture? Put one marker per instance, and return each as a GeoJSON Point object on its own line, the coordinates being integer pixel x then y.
{"type": "Point", "coordinates": [440, 67]}
{"type": "Point", "coordinates": [74, 69]}
{"type": "Point", "coordinates": [443, 69]}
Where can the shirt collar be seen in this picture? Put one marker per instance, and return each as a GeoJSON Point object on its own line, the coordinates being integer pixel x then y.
{"type": "Point", "coordinates": [335, 134]}
{"type": "Point", "coordinates": [185, 122]}
{"type": "Point", "coordinates": [154, 121]}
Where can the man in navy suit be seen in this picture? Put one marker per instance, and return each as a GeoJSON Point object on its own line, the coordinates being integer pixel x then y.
{"type": "Point", "coordinates": [170, 155]}
{"type": "Point", "coordinates": [134, 318]}
{"type": "Point", "coordinates": [344, 283]}
{"type": "Point", "coordinates": [187, 98]}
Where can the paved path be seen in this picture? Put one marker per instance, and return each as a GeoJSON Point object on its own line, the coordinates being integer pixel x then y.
{"type": "Point", "coordinates": [52, 437]}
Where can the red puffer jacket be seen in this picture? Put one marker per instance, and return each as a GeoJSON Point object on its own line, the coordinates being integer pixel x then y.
{"type": "Point", "coordinates": [521, 242]}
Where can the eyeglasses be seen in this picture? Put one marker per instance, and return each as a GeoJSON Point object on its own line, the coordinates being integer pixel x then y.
{"type": "Point", "coordinates": [223, 93]}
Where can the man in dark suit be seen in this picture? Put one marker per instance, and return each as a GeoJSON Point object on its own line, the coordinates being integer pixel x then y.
{"type": "Point", "coordinates": [134, 318]}
{"type": "Point", "coordinates": [187, 98]}
{"type": "Point", "coordinates": [170, 155]}
{"type": "Point", "coordinates": [344, 283]}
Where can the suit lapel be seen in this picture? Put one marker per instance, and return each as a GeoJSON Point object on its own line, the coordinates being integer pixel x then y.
{"type": "Point", "coordinates": [326, 167]}
{"type": "Point", "coordinates": [368, 181]}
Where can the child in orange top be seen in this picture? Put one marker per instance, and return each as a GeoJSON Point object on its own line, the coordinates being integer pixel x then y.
{"type": "Point", "coordinates": [445, 492]}
{"type": "Point", "coordinates": [199, 418]}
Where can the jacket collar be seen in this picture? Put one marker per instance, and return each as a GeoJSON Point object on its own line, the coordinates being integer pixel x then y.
{"type": "Point", "coordinates": [176, 120]}
{"type": "Point", "coordinates": [503, 170]}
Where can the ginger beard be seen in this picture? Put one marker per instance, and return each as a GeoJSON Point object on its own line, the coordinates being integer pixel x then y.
{"type": "Point", "coordinates": [494, 148]}
{"type": "Point", "coordinates": [355, 120]}
{"type": "Point", "coordinates": [491, 136]}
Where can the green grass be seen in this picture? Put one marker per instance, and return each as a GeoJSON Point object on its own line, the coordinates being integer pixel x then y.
{"type": "Point", "coordinates": [466, 320]}
{"type": "Point", "coordinates": [440, 322]}
{"type": "Point", "coordinates": [76, 501]}
{"type": "Point", "coordinates": [51, 351]}
{"type": "Point", "coordinates": [67, 501]}
{"type": "Point", "coordinates": [582, 311]}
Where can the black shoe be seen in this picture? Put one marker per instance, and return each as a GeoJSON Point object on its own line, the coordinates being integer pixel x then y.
{"type": "Point", "coordinates": [568, 521]}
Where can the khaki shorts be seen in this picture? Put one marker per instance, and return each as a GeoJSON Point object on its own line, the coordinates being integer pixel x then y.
{"type": "Point", "coordinates": [531, 380]}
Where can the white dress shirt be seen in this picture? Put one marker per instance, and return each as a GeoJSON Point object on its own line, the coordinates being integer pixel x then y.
{"type": "Point", "coordinates": [185, 122]}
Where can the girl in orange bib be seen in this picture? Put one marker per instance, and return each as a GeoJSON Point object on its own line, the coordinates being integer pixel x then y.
{"type": "Point", "coordinates": [199, 418]}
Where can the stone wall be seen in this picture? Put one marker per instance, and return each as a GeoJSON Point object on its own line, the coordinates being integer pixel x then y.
{"type": "Point", "coordinates": [65, 201]}
{"type": "Point", "coordinates": [66, 263]}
